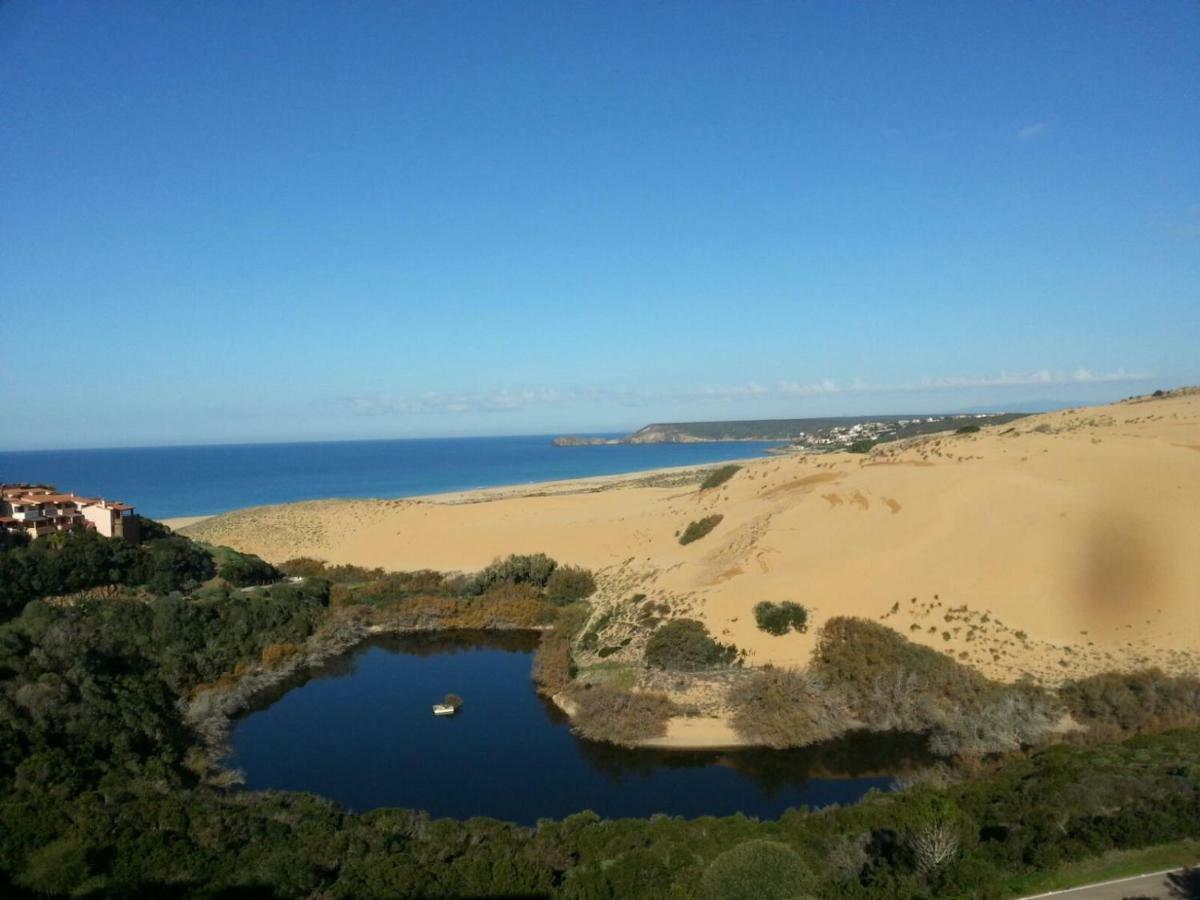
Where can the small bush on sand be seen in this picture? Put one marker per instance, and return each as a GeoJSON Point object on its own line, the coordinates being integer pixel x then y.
{"type": "Point", "coordinates": [568, 584]}
{"type": "Point", "coordinates": [684, 645]}
{"type": "Point", "coordinates": [699, 529]}
{"type": "Point", "coordinates": [605, 713]}
{"type": "Point", "coordinates": [780, 618]}
{"type": "Point", "coordinates": [719, 476]}
{"type": "Point", "coordinates": [966, 429]}
{"type": "Point", "coordinates": [863, 446]}
{"type": "Point", "coordinates": [757, 870]}
{"type": "Point", "coordinates": [787, 708]}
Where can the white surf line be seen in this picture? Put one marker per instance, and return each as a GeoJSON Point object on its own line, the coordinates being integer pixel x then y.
{"type": "Point", "coordinates": [1096, 884]}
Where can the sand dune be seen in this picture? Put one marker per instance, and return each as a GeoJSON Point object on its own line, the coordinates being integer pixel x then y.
{"type": "Point", "coordinates": [1065, 544]}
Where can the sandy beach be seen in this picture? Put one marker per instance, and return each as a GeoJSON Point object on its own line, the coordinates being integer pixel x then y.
{"type": "Point", "coordinates": [1062, 545]}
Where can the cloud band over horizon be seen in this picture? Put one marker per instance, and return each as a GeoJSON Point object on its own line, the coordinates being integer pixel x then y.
{"type": "Point", "coordinates": [506, 400]}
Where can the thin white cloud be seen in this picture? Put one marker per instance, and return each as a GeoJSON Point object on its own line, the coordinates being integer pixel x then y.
{"type": "Point", "coordinates": [1033, 131]}
{"type": "Point", "coordinates": [501, 401]}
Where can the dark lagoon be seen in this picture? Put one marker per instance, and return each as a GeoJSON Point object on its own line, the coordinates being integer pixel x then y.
{"type": "Point", "coordinates": [361, 732]}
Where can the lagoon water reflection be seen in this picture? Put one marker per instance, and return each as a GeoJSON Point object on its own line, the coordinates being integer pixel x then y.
{"type": "Point", "coordinates": [361, 732]}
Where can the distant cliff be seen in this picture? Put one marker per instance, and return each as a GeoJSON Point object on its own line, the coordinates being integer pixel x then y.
{"type": "Point", "coordinates": [826, 432]}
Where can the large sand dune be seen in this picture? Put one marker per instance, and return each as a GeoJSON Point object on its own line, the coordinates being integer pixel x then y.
{"type": "Point", "coordinates": [1065, 544]}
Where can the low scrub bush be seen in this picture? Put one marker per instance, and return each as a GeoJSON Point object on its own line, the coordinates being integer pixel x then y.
{"type": "Point", "coordinates": [275, 654]}
{"type": "Point", "coordinates": [719, 476]}
{"type": "Point", "coordinates": [531, 568]}
{"type": "Point", "coordinates": [894, 684]}
{"type": "Point", "coordinates": [1134, 701]}
{"type": "Point", "coordinates": [568, 584]}
{"type": "Point", "coordinates": [966, 429]}
{"type": "Point", "coordinates": [863, 446]}
{"type": "Point", "coordinates": [685, 644]}
{"type": "Point", "coordinates": [698, 529]}
{"type": "Point", "coordinates": [787, 708]}
{"type": "Point", "coordinates": [553, 669]}
{"type": "Point", "coordinates": [605, 713]}
{"type": "Point", "coordinates": [780, 618]}
{"type": "Point", "coordinates": [308, 567]}
{"type": "Point", "coordinates": [757, 870]}
{"type": "Point", "coordinates": [246, 569]}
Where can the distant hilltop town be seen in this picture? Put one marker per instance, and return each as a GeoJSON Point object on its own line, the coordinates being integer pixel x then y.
{"type": "Point", "coordinates": [37, 510]}
{"type": "Point", "coordinates": [799, 435]}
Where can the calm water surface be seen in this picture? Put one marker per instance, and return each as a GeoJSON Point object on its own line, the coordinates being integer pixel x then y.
{"type": "Point", "coordinates": [362, 733]}
{"type": "Point", "coordinates": [196, 481]}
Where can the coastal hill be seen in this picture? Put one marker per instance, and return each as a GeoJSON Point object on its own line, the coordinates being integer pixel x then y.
{"type": "Point", "coordinates": [814, 431]}
{"type": "Point", "coordinates": [1058, 546]}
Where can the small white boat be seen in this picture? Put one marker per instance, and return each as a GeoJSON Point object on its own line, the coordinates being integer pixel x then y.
{"type": "Point", "coordinates": [443, 709]}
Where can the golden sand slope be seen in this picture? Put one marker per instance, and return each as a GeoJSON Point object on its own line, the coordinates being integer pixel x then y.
{"type": "Point", "coordinates": [1066, 544]}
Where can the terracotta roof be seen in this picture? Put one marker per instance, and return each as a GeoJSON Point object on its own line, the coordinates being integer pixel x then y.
{"type": "Point", "coordinates": [120, 506]}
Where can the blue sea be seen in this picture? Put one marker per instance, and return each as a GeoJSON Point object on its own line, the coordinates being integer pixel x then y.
{"type": "Point", "coordinates": [163, 482]}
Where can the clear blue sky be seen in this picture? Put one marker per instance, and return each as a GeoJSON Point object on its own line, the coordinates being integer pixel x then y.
{"type": "Point", "coordinates": [225, 221]}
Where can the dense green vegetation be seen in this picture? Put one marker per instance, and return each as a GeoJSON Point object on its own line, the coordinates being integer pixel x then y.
{"type": "Point", "coordinates": [780, 618]}
{"type": "Point", "coordinates": [74, 562]}
{"type": "Point", "coordinates": [686, 645]}
{"type": "Point", "coordinates": [701, 527]}
{"type": "Point", "coordinates": [719, 476]}
{"type": "Point", "coordinates": [105, 791]}
{"type": "Point", "coordinates": [244, 569]}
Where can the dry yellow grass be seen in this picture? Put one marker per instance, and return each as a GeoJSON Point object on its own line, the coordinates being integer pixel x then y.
{"type": "Point", "coordinates": [1064, 545]}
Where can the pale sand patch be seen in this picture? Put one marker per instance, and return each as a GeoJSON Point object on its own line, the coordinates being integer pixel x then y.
{"type": "Point", "coordinates": [707, 733]}
{"type": "Point", "coordinates": [180, 522]}
{"type": "Point", "coordinates": [1069, 556]}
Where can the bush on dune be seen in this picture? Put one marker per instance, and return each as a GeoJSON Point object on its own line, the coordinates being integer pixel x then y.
{"type": "Point", "coordinates": [700, 528]}
{"type": "Point", "coordinates": [685, 644]}
{"type": "Point", "coordinates": [780, 618]}
{"type": "Point", "coordinates": [568, 584]}
{"type": "Point", "coordinates": [719, 476]}
{"type": "Point", "coordinates": [530, 568]}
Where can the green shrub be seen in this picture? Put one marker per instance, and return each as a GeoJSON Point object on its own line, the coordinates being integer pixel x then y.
{"type": "Point", "coordinates": [863, 446]}
{"type": "Point", "coordinates": [568, 584]}
{"type": "Point", "coordinates": [719, 476]}
{"type": "Point", "coordinates": [531, 568]}
{"type": "Point", "coordinates": [966, 429]}
{"type": "Point", "coordinates": [606, 713]}
{"type": "Point", "coordinates": [699, 529]}
{"type": "Point", "coordinates": [757, 870]}
{"type": "Point", "coordinates": [779, 618]}
{"type": "Point", "coordinates": [685, 644]}
{"type": "Point", "coordinates": [786, 708]}
{"type": "Point", "coordinates": [246, 569]}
